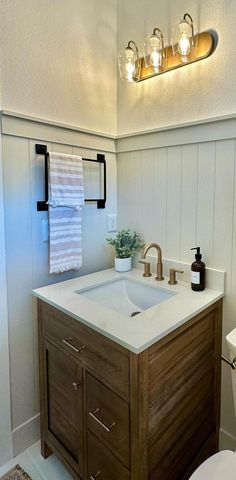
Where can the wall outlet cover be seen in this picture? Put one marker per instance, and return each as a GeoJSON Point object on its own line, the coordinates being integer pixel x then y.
{"type": "Point", "coordinates": [111, 222]}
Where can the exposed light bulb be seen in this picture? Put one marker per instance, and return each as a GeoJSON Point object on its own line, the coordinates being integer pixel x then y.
{"type": "Point", "coordinates": [129, 64]}
{"type": "Point", "coordinates": [155, 59]}
{"type": "Point", "coordinates": [184, 46]}
{"type": "Point", "coordinates": [130, 68]}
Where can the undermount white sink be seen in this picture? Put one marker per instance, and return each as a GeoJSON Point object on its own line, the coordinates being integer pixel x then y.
{"type": "Point", "coordinates": [126, 296]}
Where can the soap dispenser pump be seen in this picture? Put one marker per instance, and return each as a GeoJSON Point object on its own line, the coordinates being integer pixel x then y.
{"type": "Point", "coordinates": [198, 272]}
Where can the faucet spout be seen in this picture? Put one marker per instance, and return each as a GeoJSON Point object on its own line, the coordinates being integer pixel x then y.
{"type": "Point", "coordinates": [146, 249]}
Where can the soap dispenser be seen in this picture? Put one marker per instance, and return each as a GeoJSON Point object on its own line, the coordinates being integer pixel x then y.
{"type": "Point", "coordinates": [198, 272]}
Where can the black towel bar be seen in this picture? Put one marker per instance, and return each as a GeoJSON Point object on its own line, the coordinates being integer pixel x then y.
{"type": "Point", "coordinates": [101, 202]}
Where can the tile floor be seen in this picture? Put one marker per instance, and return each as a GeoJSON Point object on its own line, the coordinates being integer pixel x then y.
{"type": "Point", "coordinates": [35, 465]}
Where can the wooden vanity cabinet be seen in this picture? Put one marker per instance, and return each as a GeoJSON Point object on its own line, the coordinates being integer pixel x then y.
{"type": "Point", "coordinates": [110, 414]}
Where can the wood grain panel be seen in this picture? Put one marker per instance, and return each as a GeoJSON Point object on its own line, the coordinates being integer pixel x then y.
{"type": "Point", "coordinates": [100, 460]}
{"type": "Point", "coordinates": [112, 411]}
{"type": "Point", "coordinates": [139, 416]}
{"type": "Point", "coordinates": [105, 358]}
{"type": "Point", "coordinates": [62, 420]}
{"type": "Point", "coordinates": [63, 371]}
{"type": "Point", "coordinates": [183, 396]}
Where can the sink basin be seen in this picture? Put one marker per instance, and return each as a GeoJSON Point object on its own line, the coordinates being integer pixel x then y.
{"type": "Point", "coordinates": [126, 296]}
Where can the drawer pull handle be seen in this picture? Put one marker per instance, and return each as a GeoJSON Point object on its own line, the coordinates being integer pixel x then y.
{"type": "Point", "coordinates": [95, 475]}
{"type": "Point", "coordinates": [67, 341]}
{"type": "Point", "coordinates": [93, 415]}
{"type": "Point", "coordinates": [76, 385]}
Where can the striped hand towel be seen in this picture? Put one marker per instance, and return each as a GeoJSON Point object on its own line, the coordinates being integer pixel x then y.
{"type": "Point", "coordinates": [66, 186]}
{"type": "Point", "coordinates": [66, 196]}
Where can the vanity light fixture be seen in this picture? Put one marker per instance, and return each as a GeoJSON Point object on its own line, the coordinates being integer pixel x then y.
{"type": "Point", "coordinates": [186, 47]}
{"type": "Point", "coordinates": [154, 52]}
{"type": "Point", "coordinates": [129, 63]}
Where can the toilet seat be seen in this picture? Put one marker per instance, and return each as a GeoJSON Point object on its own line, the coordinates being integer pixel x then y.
{"type": "Point", "coordinates": [221, 466]}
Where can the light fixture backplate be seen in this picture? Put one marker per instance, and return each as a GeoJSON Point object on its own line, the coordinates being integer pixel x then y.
{"type": "Point", "coordinates": [205, 46]}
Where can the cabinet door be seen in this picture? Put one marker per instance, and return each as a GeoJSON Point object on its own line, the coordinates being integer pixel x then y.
{"type": "Point", "coordinates": [64, 397]}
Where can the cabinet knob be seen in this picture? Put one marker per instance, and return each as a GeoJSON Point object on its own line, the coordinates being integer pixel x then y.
{"type": "Point", "coordinates": [95, 476]}
{"type": "Point", "coordinates": [76, 385]}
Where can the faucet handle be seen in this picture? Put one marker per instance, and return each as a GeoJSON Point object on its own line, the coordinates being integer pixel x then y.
{"type": "Point", "coordinates": [147, 267]}
{"type": "Point", "coordinates": [172, 279]}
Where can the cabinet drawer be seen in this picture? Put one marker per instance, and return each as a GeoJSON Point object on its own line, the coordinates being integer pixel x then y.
{"type": "Point", "coordinates": [108, 360]}
{"type": "Point", "coordinates": [108, 418]}
{"type": "Point", "coordinates": [101, 464]}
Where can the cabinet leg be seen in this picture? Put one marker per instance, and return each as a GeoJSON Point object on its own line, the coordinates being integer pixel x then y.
{"type": "Point", "coordinates": [45, 450]}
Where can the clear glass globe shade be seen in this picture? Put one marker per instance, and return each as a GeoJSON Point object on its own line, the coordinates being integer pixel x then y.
{"type": "Point", "coordinates": [184, 46]}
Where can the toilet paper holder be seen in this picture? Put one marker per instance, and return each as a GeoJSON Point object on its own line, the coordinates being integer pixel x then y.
{"type": "Point", "coordinates": [231, 364]}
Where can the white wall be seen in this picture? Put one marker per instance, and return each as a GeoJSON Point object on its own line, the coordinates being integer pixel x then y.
{"type": "Point", "coordinates": [182, 194]}
{"type": "Point", "coordinates": [5, 410]}
{"type": "Point", "coordinates": [58, 61]}
{"type": "Point", "coordinates": [27, 254]}
{"type": "Point", "coordinates": [202, 90]}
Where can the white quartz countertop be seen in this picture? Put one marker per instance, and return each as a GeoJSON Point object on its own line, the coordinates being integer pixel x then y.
{"type": "Point", "coordinates": [136, 333]}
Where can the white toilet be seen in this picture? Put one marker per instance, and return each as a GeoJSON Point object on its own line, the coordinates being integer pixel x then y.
{"type": "Point", "coordinates": [222, 465]}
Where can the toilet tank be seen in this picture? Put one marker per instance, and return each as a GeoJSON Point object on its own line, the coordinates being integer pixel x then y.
{"type": "Point", "coordinates": [231, 342]}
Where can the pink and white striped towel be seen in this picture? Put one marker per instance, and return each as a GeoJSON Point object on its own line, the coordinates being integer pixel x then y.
{"type": "Point", "coordinates": [65, 199]}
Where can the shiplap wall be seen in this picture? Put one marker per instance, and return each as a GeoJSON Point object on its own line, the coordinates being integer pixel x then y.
{"type": "Point", "coordinates": [184, 196]}
{"type": "Point", "coordinates": [27, 257]}
{"type": "Point", "coordinates": [5, 410]}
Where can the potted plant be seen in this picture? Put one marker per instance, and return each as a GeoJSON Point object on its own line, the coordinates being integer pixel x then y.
{"type": "Point", "coordinates": [125, 243]}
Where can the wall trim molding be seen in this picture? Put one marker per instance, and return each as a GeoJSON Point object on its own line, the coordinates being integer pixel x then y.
{"type": "Point", "coordinates": [24, 126]}
{"type": "Point", "coordinates": [33, 118]}
{"type": "Point", "coordinates": [26, 434]}
{"type": "Point", "coordinates": [203, 121]}
{"type": "Point", "coordinates": [28, 126]}
{"type": "Point", "coordinates": [222, 128]}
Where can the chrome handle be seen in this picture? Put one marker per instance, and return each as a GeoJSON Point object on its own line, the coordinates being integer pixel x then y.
{"type": "Point", "coordinates": [93, 415]}
{"type": "Point", "coordinates": [76, 385]}
{"type": "Point", "coordinates": [66, 341]}
{"type": "Point", "coordinates": [94, 476]}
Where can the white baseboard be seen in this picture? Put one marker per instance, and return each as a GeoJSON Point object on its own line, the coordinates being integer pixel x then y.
{"type": "Point", "coordinates": [25, 435]}
{"type": "Point", "coordinates": [227, 441]}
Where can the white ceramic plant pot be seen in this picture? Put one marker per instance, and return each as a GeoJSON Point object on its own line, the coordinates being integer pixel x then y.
{"type": "Point", "coordinates": [122, 264]}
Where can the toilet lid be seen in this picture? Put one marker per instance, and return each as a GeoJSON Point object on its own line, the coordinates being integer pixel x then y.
{"type": "Point", "coordinates": [220, 466]}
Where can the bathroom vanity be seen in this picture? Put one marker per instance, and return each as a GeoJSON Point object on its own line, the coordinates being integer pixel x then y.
{"type": "Point", "coordinates": [129, 398]}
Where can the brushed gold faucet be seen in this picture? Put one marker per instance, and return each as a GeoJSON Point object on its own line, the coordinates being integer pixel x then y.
{"type": "Point", "coordinates": [147, 247]}
{"type": "Point", "coordinates": [172, 279]}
